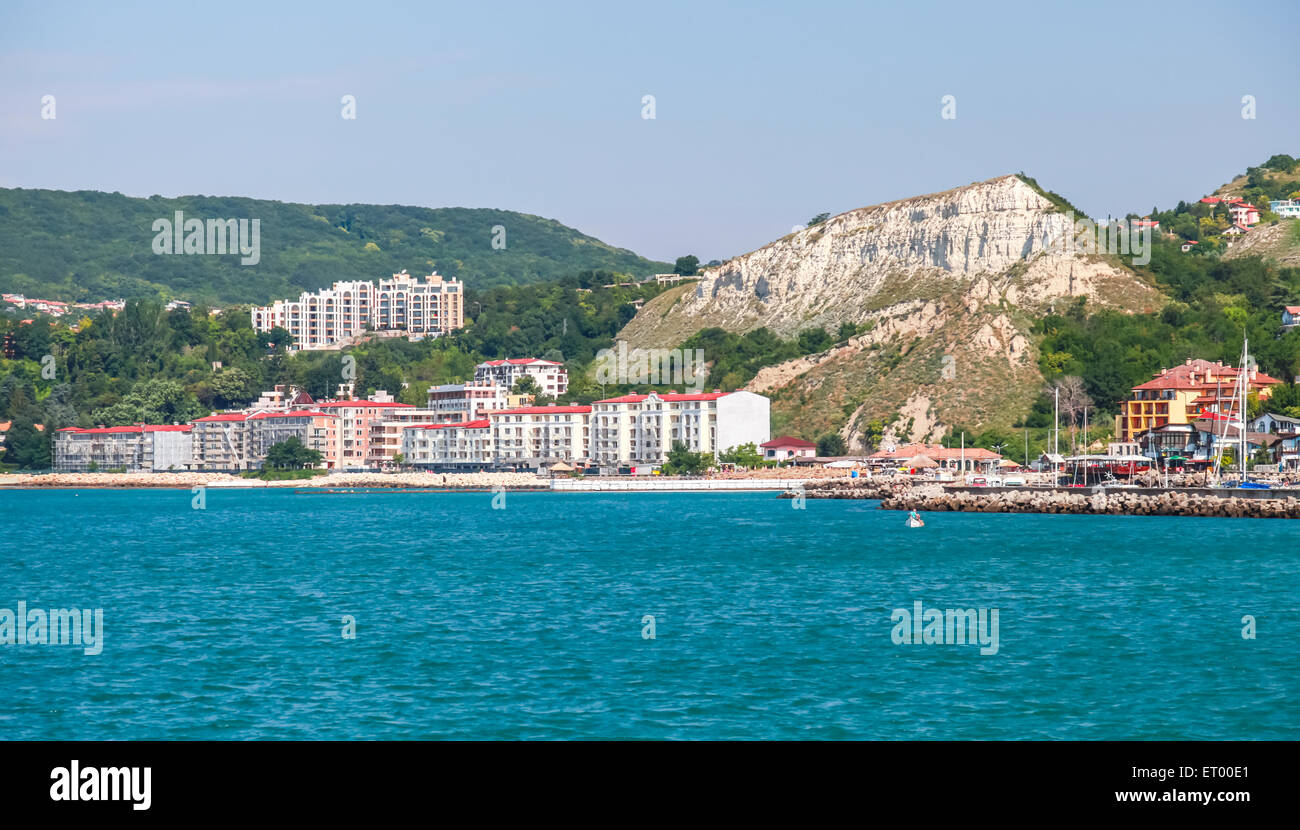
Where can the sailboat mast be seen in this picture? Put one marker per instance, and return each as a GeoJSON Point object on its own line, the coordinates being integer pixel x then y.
{"type": "Point", "coordinates": [1241, 404]}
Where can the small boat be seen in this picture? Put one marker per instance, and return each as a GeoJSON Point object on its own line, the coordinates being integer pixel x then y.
{"type": "Point", "coordinates": [915, 521]}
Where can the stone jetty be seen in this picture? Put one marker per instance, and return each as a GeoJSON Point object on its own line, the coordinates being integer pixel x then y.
{"type": "Point", "coordinates": [1260, 504]}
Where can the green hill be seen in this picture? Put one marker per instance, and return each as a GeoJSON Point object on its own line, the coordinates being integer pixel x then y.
{"type": "Point", "coordinates": [89, 245]}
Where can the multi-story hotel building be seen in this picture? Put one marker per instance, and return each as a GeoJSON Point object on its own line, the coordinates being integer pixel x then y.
{"type": "Point", "coordinates": [141, 448]}
{"type": "Point", "coordinates": [239, 441]}
{"type": "Point", "coordinates": [220, 443]}
{"type": "Point", "coordinates": [532, 435]}
{"type": "Point", "coordinates": [465, 446]}
{"type": "Point", "coordinates": [643, 428]}
{"type": "Point", "coordinates": [347, 438]}
{"type": "Point", "coordinates": [552, 378]}
{"type": "Point", "coordinates": [403, 303]}
{"type": "Point", "coordinates": [1183, 393]}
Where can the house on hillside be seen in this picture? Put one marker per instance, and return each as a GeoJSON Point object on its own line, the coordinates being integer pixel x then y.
{"type": "Point", "coordinates": [1286, 208]}
{"type": "Point", "coordinates": [1244, 213]}
{"type": "Point", "coordinates": [1290, 317]}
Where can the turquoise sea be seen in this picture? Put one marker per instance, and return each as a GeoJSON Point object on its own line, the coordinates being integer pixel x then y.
{"type": "Point", "coordinates": [527, 621]}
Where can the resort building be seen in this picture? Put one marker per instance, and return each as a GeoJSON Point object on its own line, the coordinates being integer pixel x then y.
{"type": "Point", "coordinates": [142, 448]}
{"type": "Point", "coordinates": [464, 447]}
{"type": "Point", "coordinates": [644, 428]}
{"type": "Point", "coordinates": [787, 447]}
{"type": "Point", "coordinates": [1183, 393]}
{"type": "Point", "coordinates": [404, 304]}
{"type": "Point", "coordinates": [347, 437]}
{"type": "Point", "coordinates": [551, 377]}
{"type": "Point", "coordinates": [531, 436]}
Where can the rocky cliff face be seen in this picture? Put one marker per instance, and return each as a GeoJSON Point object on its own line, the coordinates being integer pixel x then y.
{"type": "Point", "coordinates": [949, 282]}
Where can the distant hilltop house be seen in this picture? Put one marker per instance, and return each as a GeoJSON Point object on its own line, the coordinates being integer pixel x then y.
{"type": "Point", "coordinates": [1146, 222]}
{"type": "Point", "coordinates": [1286, 208]}
{"type": "Point", "coordinates": [1290, 317]}
{"type": "Point", "coordinates": [403, 304]}
{"type": "Point", "coordinates": [1187, 246]}
{"type": "Point", "coordinates": [1243, 213]}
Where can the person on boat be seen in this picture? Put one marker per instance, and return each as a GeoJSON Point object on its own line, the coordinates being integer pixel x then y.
{"type": "Point", "coordinates": [914, 517]}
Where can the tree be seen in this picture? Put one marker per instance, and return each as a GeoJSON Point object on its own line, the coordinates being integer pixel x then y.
{"type": "Point", "coordinates": [27, 447]}
{"type": "Point", "coordinates": [290, 454]}
{"type": "Point", "coordinates": [687, 266]}
{"type": "Point", "coordinates": [744, 455]}
{"type": "Point", "coordinates": [681, 461]}
{"type": "Point", "coordinates": [818, 219]}
{"type": "Point", "coordinates": [526, 385]}
{"type": "Point", "coordinates": [832, 444]}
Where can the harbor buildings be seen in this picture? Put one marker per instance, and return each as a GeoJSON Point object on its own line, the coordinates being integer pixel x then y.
{"type": "Point", "coordinates": [1183, 393]}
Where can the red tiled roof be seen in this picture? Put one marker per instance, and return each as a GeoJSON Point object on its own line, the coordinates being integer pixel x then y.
{"type": "Point", "coordinates": [521, 361]}
{"type": "Point", "coordinates": [131, 428]}
{"type": "Point", "coordinates": [355, 404]}
{"type": "Point", "coordinates": [482, 423]}
{"type": "Point", "coordinates": [937, 452]}
{"type": "Point", "coordinates": [223, 416]}
{"type": "Point", "coordinates": [541, 410]}
{"type": "Point", "coordinates": [671, 397]}
{"type": "Point", "coordinates": [1293, 309]}
{"type": "Point", "coordinates": [297, 413]}
{"type": "Point", "coordinates": [788, 441]}
{"type": "Point", "coordinates": [1211, 200]}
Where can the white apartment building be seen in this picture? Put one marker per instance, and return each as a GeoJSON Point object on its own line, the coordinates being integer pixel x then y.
{"type": "Point", "coordinates": [141, 448]}
{"type": "Point", "coordinates": [465, 446]}
{"type": "Point", "coordinates": [466, 401]}
{"type": "Point", "coordinates": [552, 378]}
{"type": "Point", "coordinates": [643, 428]}
{"type": "Point", "coordinates": [532, 435]}
{"type": "Point", "coordinates": [321, 319]}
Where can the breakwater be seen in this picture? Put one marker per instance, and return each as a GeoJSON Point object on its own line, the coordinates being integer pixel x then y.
{"type": "Point", "coordinates": [1226, 503]}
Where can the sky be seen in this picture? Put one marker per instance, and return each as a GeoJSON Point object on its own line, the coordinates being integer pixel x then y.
{"type": "Point", "coordinates": [765, 114]}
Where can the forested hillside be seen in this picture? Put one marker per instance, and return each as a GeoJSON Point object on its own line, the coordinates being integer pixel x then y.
{"type": "Point", "coordinates": [88, 245]}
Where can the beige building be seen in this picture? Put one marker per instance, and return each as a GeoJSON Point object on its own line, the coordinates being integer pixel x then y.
{"type": "Point", "coordinates": [402, 303]}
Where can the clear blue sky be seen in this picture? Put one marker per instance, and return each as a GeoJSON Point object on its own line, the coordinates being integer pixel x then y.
{"type": "Point", "coordinates": [766, 113]}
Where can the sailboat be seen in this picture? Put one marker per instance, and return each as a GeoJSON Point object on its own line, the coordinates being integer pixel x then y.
{"type": "Point", "coordinates": [1240, 392]}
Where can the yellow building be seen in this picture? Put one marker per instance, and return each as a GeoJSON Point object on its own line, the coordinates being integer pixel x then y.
{"type": "Point", "coordinates": [1183, 393]}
